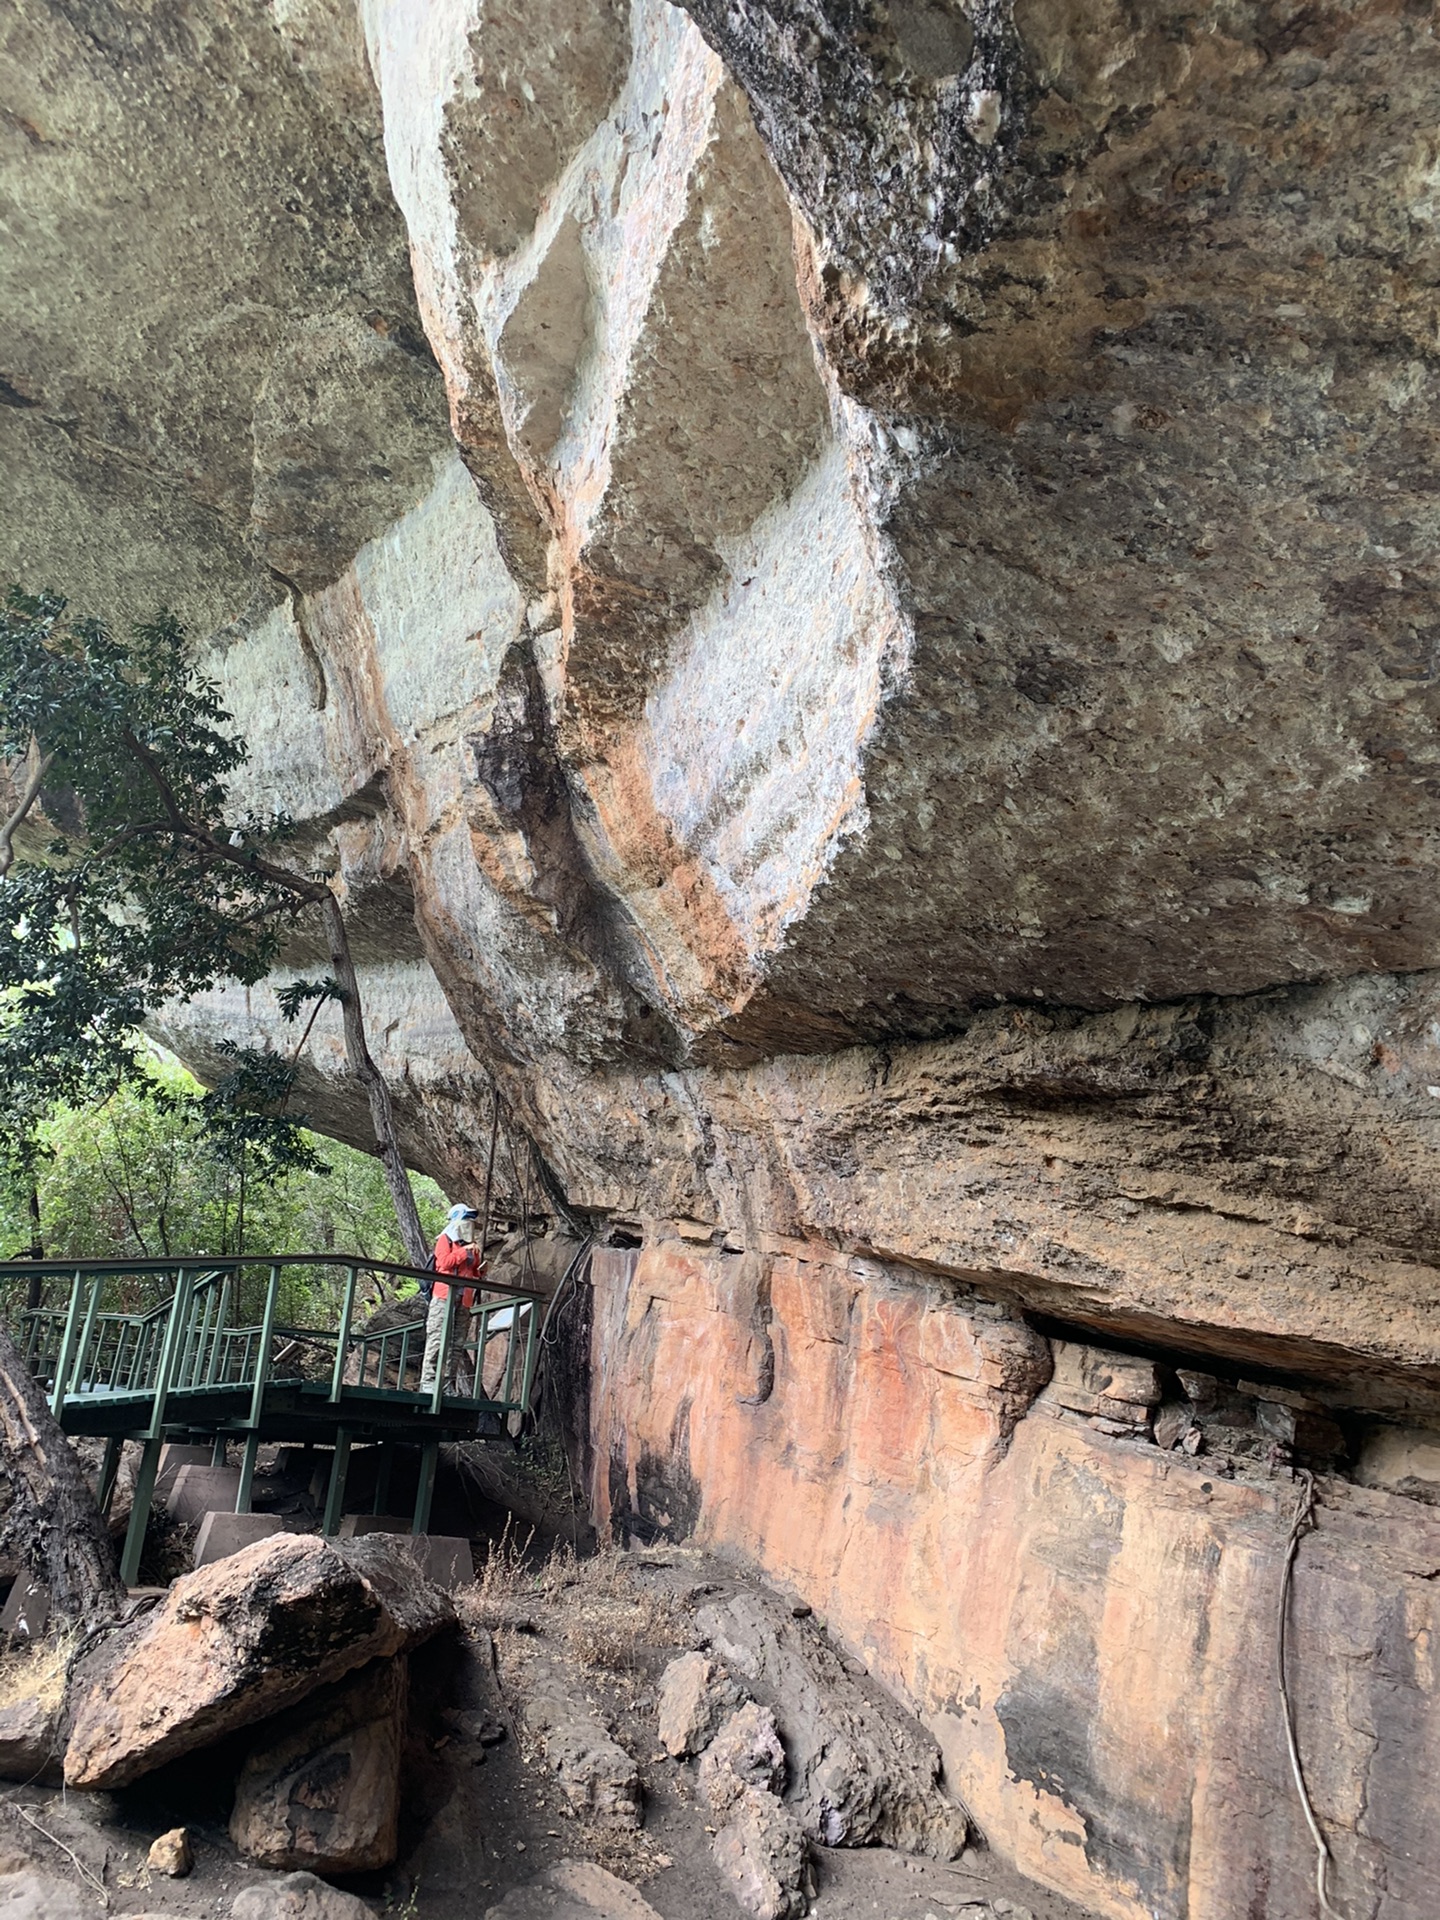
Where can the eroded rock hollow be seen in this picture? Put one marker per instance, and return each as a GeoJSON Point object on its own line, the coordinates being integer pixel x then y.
{"type": "Point", "coordinates": [849, 593]}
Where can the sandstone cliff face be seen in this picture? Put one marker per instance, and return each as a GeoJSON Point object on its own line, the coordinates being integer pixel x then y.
{"type": "Point", "coordinates": [848, 591]}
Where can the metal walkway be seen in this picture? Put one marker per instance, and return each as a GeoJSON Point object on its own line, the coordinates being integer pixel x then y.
{"type": "Point", "coordinates": [219, 1350]}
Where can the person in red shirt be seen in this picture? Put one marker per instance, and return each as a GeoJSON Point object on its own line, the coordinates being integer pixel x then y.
{"type": "Point", "coordinates": [457, 1256]}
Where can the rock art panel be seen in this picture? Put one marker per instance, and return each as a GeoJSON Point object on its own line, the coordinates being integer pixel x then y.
{"type": "Point", "coordinates": [1085, 1622]}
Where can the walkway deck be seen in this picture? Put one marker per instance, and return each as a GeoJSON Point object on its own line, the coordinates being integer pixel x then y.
{"type": "Point", "coordinates": [221, 1349]}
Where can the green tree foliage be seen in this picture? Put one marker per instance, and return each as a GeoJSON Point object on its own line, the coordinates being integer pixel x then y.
{"type": "Point", "coordinates": [143, 1173]}
{"type": "Point", "coordinates": [127, 879]}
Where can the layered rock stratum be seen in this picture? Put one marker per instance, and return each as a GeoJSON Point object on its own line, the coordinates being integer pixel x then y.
{"type": "Point", "coordinates": [848, 593]}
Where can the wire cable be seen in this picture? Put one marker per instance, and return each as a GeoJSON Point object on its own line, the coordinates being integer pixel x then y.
{"type": "Point", "coordinates": [1304, 1517]}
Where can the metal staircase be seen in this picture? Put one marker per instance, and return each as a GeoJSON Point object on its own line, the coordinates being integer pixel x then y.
{"type": "Point", "coordinates": [220, 1350]}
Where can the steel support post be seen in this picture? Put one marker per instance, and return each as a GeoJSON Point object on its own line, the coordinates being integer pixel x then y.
{"type": "Point", "coordinates": [140, 1511]}
{"type": "Point", "coordinates": [109, 1472]}
{"type": "Point", "coordinates": [247, 1472]}
{"type": "Point", "coordinates": [425, 1491]}
{"type": "Point", "coordinates": [382, 1477]}
{"type": "Point", "coordinates": [335, 1498]}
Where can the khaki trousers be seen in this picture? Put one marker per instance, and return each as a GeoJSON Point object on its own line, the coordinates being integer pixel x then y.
{"type": "Point", "coordinates": [457, 1367]}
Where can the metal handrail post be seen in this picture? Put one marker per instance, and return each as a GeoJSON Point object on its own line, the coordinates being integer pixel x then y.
{"type": "Point", "coordinates": [195, 1355]}
{"type": "Point", "coordinates": [178, 1311]}
{"type": "Point", "coordinates": [87, 1334]}
{"type": "Point", "coordinates": [530, 1344]}
{"type": "Point", "coordinates": [507, 1386]}
{"type": "Point", "coordinates": [67, 1347]}
{"type": "Point", "coordinates": [262, 1358]}
{"type": "Point", "coordinates": [220, 1329]}
{"type": "Point", "coordinates": [342, 1337]}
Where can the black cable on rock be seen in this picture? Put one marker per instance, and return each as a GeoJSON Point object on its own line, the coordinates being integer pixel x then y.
{"type": "Point", "coordinates": [1304, 1517]}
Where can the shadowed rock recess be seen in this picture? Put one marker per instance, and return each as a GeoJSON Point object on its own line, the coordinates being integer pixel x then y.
{"type": "Point", "coordinates": [849, 592]}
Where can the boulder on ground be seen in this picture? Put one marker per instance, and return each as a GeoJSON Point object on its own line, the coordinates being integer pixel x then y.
{"type": "Point", "coordinates": [239, 1641]}
{"type": "Point", "coordinates": [599, 1778]}
{"type": "Point", "coordinates": [862, 1772]}
{"type": "Point", "coordinates": [172, 1854]}
{"type": "Point", "coordinates": [38, 1896]}
{"type": "Point", "coordinates": [745, 1753]}
{"type": "Point", "coordinates": [30, 1747]}
{"type": "Point", "coordinates": [696, 1697]}
{"type": "Point", "coordinates": [573, 1890]}
{"type": "Point", "coordinates": [323, 1790]}
{"type": "Point", "coordinates": [762, 1853]}
{"type": "Point", "coordinates": [297, 1896]}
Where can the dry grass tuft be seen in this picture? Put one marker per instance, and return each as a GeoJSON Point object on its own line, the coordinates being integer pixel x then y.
{"type": "Point", "coordinates": [36, 1673]}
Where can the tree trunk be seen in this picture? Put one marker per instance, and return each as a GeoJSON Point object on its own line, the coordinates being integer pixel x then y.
{"type": "Point", "coordinates": [53, 1518]}
{"type": "Point", "coordinates": [382, 1114]}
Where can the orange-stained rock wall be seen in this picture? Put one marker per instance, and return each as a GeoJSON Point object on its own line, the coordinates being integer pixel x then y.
{"type": "Point", "coordinates": [1087, 1624]}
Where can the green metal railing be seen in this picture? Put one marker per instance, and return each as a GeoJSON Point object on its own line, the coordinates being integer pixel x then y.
{"type": "Point", "coordinates": [141, 1348]}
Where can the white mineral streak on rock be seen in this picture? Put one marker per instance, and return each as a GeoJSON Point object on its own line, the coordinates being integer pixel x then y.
{"type": "Point", "coordinates": [273, 687]}
{"type": "Point", "coordinates": [419, 53]}
{"type": "Point", "coordinates": [754, 741]}
{"type": "Point", "coordinates": [628, 191]}
{"type": "Point", "coordinates": [443, 608]}
{"type": "Point", "coordinates": [439, 611]}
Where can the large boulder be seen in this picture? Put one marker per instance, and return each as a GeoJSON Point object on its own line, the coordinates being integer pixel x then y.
{"type": "Point", "coordinates": [298, 1896]}
{"type": "Point", "coordinates": [323, 1790]}
{"type": "Point", "coordinates": [696, 1697]}
{"type": "Point", "coordinates": [241, 1640]}
{"type": "Point", "coordinates": [571, 1890]}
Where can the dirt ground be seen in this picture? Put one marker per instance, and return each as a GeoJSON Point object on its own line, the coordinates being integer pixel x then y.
{"type": "Point", "coordinates": [479, 1819]}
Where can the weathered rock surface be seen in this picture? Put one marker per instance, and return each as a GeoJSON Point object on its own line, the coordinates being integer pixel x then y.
{"type": "Point", "coordinates": [600, 1779]}
{"type": "Point", "coordinates": [298, 1896]}
{"type": "Point", "coordinates": [30, 1741]}
{"type": "Point", "coordinates": [746, 1752]}
{"type": "Point", "coordinates": [1085, 1624]}
{"type": "Point", "coordinates": [573, 1890]}
{"type": "Point", "coordinates": [238, 1641]}
{"type": "Point", "coordinates": [321, 1788]}
{"type": "Point", "coordinates": [696, 1696]}
{"type": "Point", "coordinates": [39, 1896]}
{"type": "Point", "coordinates": [848, 594]}
{"type": "Point", "coordinates": [1403, 1461]}
{"type": "Point", "coordinates": [761, 1851]}
{"type": "Point", "coordinates": [860, 1774]}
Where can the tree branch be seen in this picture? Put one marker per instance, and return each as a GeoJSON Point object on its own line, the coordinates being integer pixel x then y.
{"type": "Point", "coordinates": [29, 794]}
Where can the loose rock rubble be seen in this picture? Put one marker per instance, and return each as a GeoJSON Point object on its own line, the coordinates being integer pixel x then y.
{"type": "Point", "coordinates": [746, 1752]}
{"type": "Point", "coordinates": [172, 1854]}
{"type": "Point", "coordinates": [861, 1772]}
{"type": "Point", "coordinates": [600, 1779]}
